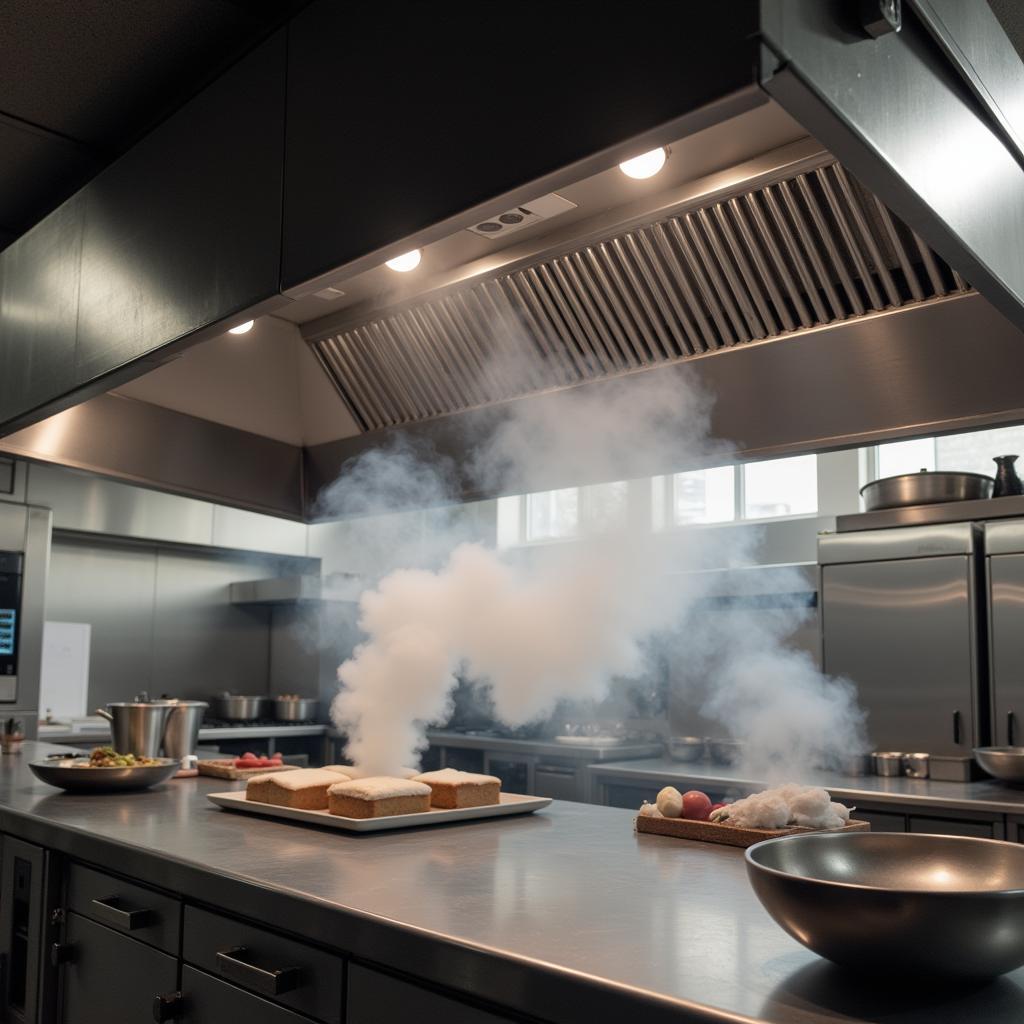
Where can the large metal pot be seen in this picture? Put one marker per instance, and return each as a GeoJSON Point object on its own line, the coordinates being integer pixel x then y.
{"type": "Point", "coordinates": [232, 708]}
{"type": "Point", "coordinates": [137, 727]}
{"type": "Point", "coordinates": [925, 488]}
{"type": "Point", "coordinates": [181, 734]}
{"type": "Point", "coordinates": [295, 709]}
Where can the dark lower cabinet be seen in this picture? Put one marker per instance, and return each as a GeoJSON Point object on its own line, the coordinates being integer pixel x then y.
{"type": "Point", "coordinates": [109, 977]}
{"type": "Point", "coordinates": [378, 998]}
{"type": "Point", "coordinates": [208, 1000]}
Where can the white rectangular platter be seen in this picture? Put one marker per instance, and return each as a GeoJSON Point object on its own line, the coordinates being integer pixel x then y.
{"type": "Point", "coordinates": [511, 803]}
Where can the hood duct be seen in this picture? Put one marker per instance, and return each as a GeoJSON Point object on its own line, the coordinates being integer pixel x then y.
{"type": "Point", "coordinates": [736, 267]}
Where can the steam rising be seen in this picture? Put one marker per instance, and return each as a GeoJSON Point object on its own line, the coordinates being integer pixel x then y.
{"type": "Point", "coordinates": [561, 620]}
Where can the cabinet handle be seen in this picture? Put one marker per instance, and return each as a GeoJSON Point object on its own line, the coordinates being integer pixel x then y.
{"type": "Point", "coordinates": [127, 920]}
{"type": "Point", "coordinates": [956, 726]}
{"type": "Point", "coordinates": [62, 953]}
{"type": "Point", "coordinates": [168, 1007]}
{"type": "Point", "coordinates": [1009, 728]}
{"type": "Point", "coordinates": [271, 983]}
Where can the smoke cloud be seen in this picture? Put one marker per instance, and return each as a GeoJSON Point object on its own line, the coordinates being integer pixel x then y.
{"type": "Point", "coordinates": [562, 620]}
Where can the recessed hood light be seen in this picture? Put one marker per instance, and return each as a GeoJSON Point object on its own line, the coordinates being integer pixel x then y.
{"type": "Point", "coordinates": [646, 165]}
{"type": "Point", "coordinates": [241, 328]}
{"type": "Point", "coordinates": [406, 262]}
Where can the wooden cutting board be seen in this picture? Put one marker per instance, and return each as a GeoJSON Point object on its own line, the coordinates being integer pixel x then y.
{"type": "Point", "coordinates": [225, 769]}
{"type": "Point", "coordinates": [728, 835]}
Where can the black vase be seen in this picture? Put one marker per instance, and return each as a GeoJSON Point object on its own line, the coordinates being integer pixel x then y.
{"type": "Point", "coordinates": [1007, 481]}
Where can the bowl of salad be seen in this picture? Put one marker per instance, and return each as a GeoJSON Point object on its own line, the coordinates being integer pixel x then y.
{"type": "Point", "coordinates": [104, 770]}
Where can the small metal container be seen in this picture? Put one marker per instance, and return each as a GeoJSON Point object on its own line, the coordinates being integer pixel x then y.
{"type": "Point", "coordinates": [857, 765]}
{"type": "Point", "coordinates": [915, 766]}
{"type": "Point", "coordinates": [888, 763]}
{"type": "Point", "coordinates": [295, 709]}
{"type": "Point", "coordinates": [687, 749]}
{"type": "Point", "coordinates": [725, 752]}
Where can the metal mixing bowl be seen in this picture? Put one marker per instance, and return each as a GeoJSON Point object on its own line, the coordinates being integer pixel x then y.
{"type": "Point", "coordinates": [1006, 763]}
{"type": "Point", "coordinates": [896, 902]}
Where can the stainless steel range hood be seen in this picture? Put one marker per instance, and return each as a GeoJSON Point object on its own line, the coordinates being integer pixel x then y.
{"type": "Point", "coordinates": [788, 243]}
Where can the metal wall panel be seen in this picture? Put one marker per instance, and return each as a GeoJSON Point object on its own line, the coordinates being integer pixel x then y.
{"type": "Point", "coordinates": [251, 531]}
{"type": "Point", "coordinates": [111, 588]}
{"type": "Point", "coordinates": [92, 504]}
{"type": "Point", "coordinates": [201, 642]}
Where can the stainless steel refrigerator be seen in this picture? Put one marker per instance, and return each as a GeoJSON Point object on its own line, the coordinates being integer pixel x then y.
{"type": "Point", "coordinates": [903, 616]}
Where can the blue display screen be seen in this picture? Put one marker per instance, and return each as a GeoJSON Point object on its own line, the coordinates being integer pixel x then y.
{"type": "Point", "coordinates": [7, 630]}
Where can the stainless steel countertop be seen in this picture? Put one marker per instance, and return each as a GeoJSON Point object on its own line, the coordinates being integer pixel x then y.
{"type": "Point", "coordinates": [986, 795]}
{"type": "Point", "coordinates": [566, 915]}
{"type": "Point", "coordinates": [226, 732]}
{"type": "Point", "coordinates": [544, 748]}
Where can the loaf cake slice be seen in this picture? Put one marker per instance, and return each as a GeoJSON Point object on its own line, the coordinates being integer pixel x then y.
{"type": "Point", "coordinates": [377, 797]}
{"type": "Point", "coordinates": [305, 789]}
{"type": "Point", "coordinates": [451, 788]}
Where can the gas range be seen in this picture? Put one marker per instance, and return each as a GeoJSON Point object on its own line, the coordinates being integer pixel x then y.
{"type": "Point", "coordinates": [257, 723]}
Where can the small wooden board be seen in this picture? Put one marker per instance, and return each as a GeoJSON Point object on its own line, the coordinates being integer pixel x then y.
{"type": "Point", "coordinates": [225, 769]}
{"type": "Point", "coordinates": [728, 835]}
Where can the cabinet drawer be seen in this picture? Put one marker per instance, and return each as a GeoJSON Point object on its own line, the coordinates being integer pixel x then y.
{"type": "Point", "coordinates": [956, 827]}
{"type": "Point", "coordinates": [209, 1000]}
{"type": "Point", "coordinates": [282, 970]}
{"type": "Point", "coordinates": [377, 998]}
{"type": "Point", "coordinates": [882, 821]}
{"type": "Point", "coordinates": [126, 907]}
{"type": "Point", "coordinates": [112, 977]}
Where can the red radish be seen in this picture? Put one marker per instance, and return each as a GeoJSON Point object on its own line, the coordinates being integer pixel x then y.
{"type": "Point", "coordinates": [278, 756]}
{"type": "Point", "coordinates": [696, 805]}
{"type": "Point", "coordinates": [248, 756]}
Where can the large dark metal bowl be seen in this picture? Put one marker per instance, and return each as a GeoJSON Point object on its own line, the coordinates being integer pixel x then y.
{"type": "Point", "coordinates": [897, 903]}
{"type": "Point", "coordinates": [67, 773]}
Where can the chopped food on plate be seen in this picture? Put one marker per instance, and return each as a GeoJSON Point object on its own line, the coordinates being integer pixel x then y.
{"type": "Point", "coordinates": [108, 757]}
{"type": "Point", "coordinates": [791, 804]}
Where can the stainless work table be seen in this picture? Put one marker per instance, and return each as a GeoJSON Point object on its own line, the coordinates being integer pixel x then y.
{"type": "Point", "coordinates": [565, 916]}
{"type": "Point", "coordinates": [589, 752]}
{"type": "Point", "coordinates": [984, 795]}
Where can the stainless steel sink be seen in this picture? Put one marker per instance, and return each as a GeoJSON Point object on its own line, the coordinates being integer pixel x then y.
{"type": "Point", "coordinates": [897, 903]}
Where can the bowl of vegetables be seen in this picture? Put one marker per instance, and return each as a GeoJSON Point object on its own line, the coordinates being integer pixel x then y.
{"type": "Point", "coordinates": [104, 770]}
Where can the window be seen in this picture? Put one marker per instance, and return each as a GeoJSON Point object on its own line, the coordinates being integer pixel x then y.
{"type": "Point", "coordinates": [726, 494]}
{"type": "Point", "coordinates": [704, 496]}
{"type": "Point", "coordinates": [562, 514]}
{"type": "Point", "coordinates": [971, 452]}
{"type": "Point", "coordinates": [782, 487]}
{"type": "Point", "coordinates": [551, 515]}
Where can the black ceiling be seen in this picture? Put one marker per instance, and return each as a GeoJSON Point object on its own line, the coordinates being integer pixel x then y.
{"type": "Point", "coordinates": [81, 81]}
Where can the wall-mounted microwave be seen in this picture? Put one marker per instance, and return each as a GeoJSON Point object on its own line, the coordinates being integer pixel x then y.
{"type": "Point", "coordinates": [11, 564]}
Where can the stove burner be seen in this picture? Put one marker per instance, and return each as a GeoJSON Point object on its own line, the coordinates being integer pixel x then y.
{"type": "Point", "coordinates": [221, 723]}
